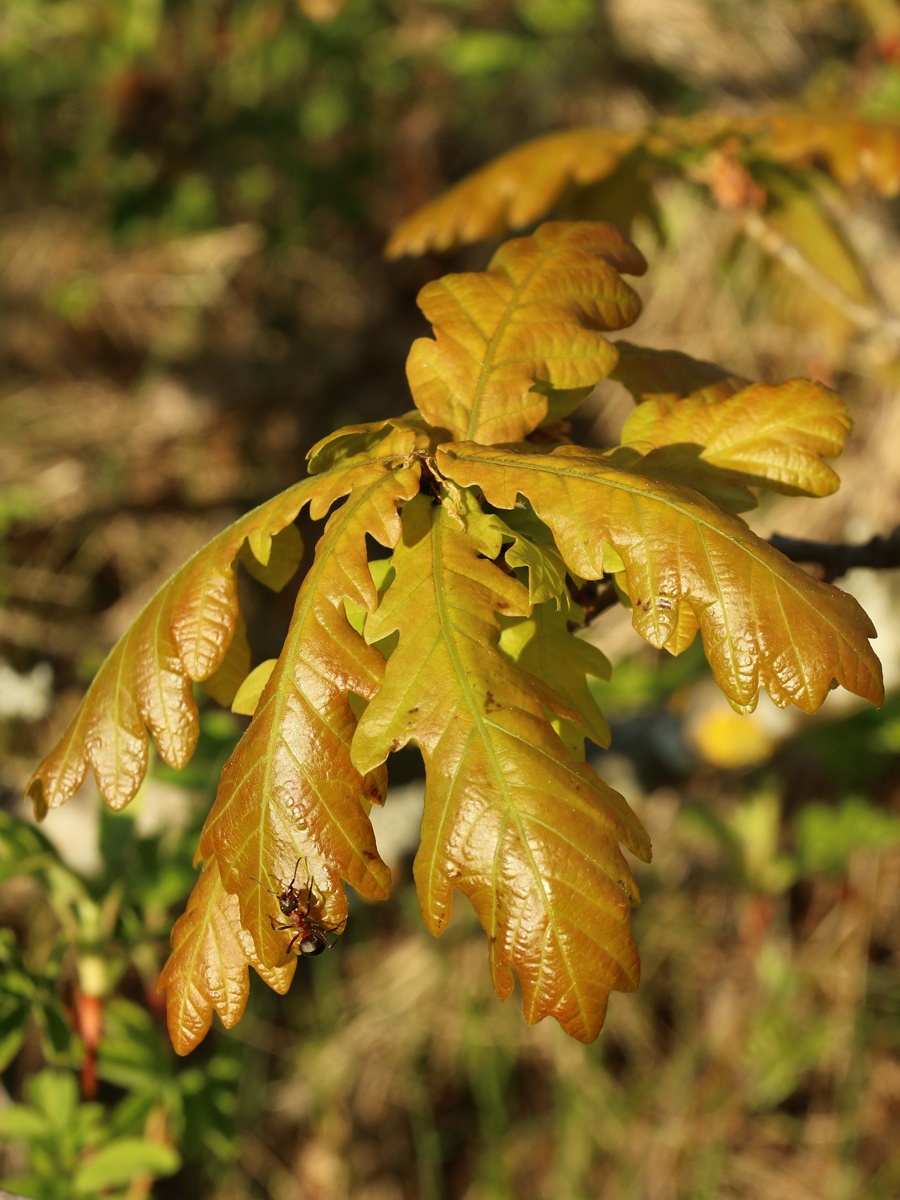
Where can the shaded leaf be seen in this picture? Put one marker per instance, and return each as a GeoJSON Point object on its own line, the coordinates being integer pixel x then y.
{"type": "Point", "coordinates": [531, 547]}
{"type": "Point", "coordinates": [289, 790]}
{"type": "Point", "coordinates": [533, 318]}
{"type": "Point", "coordinates": [775, 437]}
{"type": "Point", "coordinates": [669, 375]}
{"type": "Point", "coordinates": [528, 833]}
{"type": "Point", "coordinates": [543, 645]}
{"type": "Point", "coordinates": [225, 682]}
{"type": "Point", "coordinates": [182, 635]}
{"type": "Point", "coordinates": [357, 443]}
{"type": "Point", "coordinates": [808, 228]}
{"type": "Point", "coordinates": [246, 699]}
{"type": "Point", "coordinates": [119, 1161]}
{"type": "Point", "coordinates": [207, 969]}
{"type": "Point", "coordinates": [765, 622]}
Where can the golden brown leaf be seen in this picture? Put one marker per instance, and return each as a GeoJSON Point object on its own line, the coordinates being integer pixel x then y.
{"type": "Point", "coordinates": [765, 622]}
{"type": "Point", "coordinates": [526, 831]}
{"type": "Point", "coordinates": [182, 635]}
{"type": "Point", "coordinates": [775, 437]}
{"type": "Point", "coordinates": [289, 790]}
{"type": "Point", "coordinates": [513, 191]}
{"type": "Point", "coordinates": [529, 324]}
{"type": "Point", "coordinates": [207, 969]}
{"type": "Point", "coordinates": [521, 186]}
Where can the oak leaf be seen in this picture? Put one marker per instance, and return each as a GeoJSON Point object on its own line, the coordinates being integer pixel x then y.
{"type": "Point", "coordinates": [207, 969]}
{"type": "Point", "coordinates": [530, 834]}
{"type": "Point", "coordinates": [182, 635]}
{"type": "Point", "coordinates": [764, 621]}
{"type": "Point", "coordinates": [529, 324]}
{"type": "Point", "coordinates": [521, 186]}
{"type": "Point", "coordinates": [289, 791]}
{"type": "Point", "coordinates": [775, 437]}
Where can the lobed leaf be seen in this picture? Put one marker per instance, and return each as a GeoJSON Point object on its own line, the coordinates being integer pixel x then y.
{"type": "Point", "coordinates": [528, 325]}
{"type": "Point", "coordinates": [851, 149]}
{"type": "Point", "coordinates": [513, 191]}
{"type": "Point", "coordinates": [775, 437]}
{"type": "Point", "coordinates": [527, 832]}
{"type": "Point", "coordinates": [765, 622]}
{"type": "Point", "coordinates": [182, 635]}
{"type": "Point", "coordinates": [358, 443]}
{"type": "Point", "coordinates": [207, 969]}
{"type": "Point", "coordinates": [531, 547]}
{"type": "Point", "coordinates": [520, 187]}
{"type": "Point", "coordinates": [289, 790]}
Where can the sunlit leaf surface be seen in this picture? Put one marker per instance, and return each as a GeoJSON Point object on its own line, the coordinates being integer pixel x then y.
{"type": "Point", "coordinates": [775, 437]}
{"type": "Point", "coordinates": [530, 834]}
{"type": "Point", "coordinates": [765, 622]}
{"type": "Point", "coordinates": [289, 790]}
{"type": "Point", "coordinates": [521, 186]}
{"type": "Point", "coordinates": [533, 318]}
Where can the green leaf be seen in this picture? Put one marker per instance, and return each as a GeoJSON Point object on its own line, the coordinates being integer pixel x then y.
{"type": "Point", "coordinates": [13, 1023]}
{"type": "Point", "coordinates": [247, 697]}
{"type": "Point", "coordinates": [117, 1163]}
{"type": "Point", "coordinates": [26, 1124]}
{"type": "Point", "coordinates": [532, 549]}
{"type": "Point", "coordinates": [543, 645]}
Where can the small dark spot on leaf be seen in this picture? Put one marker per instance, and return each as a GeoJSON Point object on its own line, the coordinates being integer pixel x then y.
{"type": "Point", "coordinates": [415, 709]}
{"type": "Point", "coordinates": [395, 745]}
{"type": "Point", "coordinates": [490, 704]}
{"type": "Point", "coordinates": [370, 855]}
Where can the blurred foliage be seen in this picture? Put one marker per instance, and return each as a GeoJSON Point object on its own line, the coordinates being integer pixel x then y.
{"type": "Point", "coordinates": [196, 193]}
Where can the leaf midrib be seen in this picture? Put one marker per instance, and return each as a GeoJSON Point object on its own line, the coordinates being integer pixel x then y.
{"type": "Point", "coordinates": [479, 723]}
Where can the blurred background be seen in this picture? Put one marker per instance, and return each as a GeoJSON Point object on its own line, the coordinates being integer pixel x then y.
{"type": "Point", "coordinates": [196, 195]}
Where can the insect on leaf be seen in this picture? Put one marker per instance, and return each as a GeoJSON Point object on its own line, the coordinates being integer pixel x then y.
{"type": "Point", "coordinates": [528, 325]}
{"type": "Point", "coordinates": [527, 832]}
{"type": "Point", "coordinates": [207, 969]}
{"type": "Point", "coordinates": [765, 622]}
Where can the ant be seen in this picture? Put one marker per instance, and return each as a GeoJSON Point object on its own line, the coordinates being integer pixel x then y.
{"type": "Point", "coordinates": [311, 935]}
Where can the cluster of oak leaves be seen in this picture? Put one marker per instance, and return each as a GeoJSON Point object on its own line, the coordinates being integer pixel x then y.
{"type": "Point", "coordinates": [459, 635]}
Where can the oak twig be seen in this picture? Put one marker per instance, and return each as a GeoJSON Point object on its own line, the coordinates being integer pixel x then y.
{"type": "Point", "coordinates": [836, 558]}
